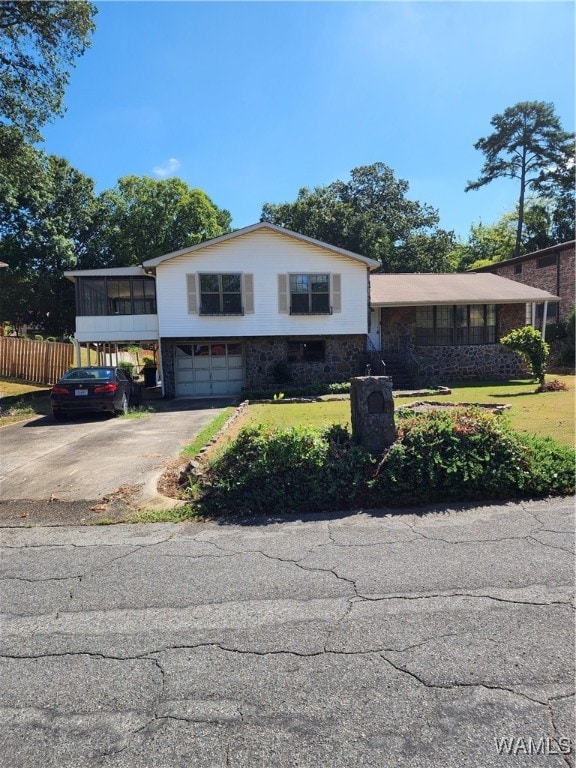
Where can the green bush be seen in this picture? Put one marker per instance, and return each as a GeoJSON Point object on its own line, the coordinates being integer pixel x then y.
{"type": "Point", "coordinates": [313, 389]}
{"type": "Point", "coordinates": [458, 455]}
{"type": "Point", "coordinates": [127, 367]}
{"type": "Point", "coordinates": [276, 471]}
{"type": "Point", "coordinates": [568, 354]}
{"type": "Point", "coordinates": [530, 344]}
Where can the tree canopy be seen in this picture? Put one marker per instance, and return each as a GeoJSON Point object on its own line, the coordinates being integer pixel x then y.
{"type": "Point", "coordinates": [39, 43]}
{"type": "Point", "coordinates": [370, 215]}
{"type": "Point", "coordinates": [528, 144]}
{"type": "Point", "coordinates": [46, 218]}
{"type": "Point", "coordinates": [142, 218]}
{"type": "Point", "coordinates": [489, 243]}
{"type": "Point", "coordinates": [52, 221]}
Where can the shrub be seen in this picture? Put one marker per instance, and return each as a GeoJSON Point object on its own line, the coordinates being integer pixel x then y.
{"type": "Point", "coordinates": [551, 466]}
{"type": "Point", "coordinates": [530, 344]}
{"type": "Point", "coordinates": [128, 368]}
{"type": "Point", "coordinates": [456, 455]}
{"type": "Point", "coordinates": [275, 471]}
{"type": "Point", "coordinates": [459, 454]}
{"type": "Point", "coordinates": [568, 354]}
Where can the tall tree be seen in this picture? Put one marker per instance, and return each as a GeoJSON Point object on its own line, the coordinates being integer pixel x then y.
{"type": "Point", "coordinates": [528, 144]}
{"type": "Point", "coordinates": [141, 218]}
{"type": "Point", "coordinates": [39, 42]}
{"type": "Point", "coordinates": [46, 218]}
{"type": "Point", "coordinates": [370, 215]}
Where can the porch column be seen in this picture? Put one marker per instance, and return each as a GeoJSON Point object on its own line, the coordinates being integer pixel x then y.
{"type": "Point", "coordinates": [78, 353]}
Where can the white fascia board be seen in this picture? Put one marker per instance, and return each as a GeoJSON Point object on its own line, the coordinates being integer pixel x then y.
{"type": "Point", "coordinates": [72, 274]}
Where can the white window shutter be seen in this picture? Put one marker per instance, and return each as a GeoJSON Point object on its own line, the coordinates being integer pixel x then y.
{"type": "Point", "coordinates": [283, 294]}
{"type": "Point", "coordinates": [192, 294]}
{"type": "Point", "coordinates": [336, 293]}
{"type": "Point", "coordinates": [248, 294]}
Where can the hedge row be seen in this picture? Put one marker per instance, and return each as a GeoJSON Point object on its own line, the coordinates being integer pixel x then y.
{"type": "Point", "coordinates": [462, 454]}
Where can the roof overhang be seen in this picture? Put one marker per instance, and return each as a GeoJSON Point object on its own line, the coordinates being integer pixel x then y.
{"type": "Point", "coordinates": [262, 226]}
{"type": "Point", "coordinates": [406, 290]}
{"type": "Point", "coordinates": [118, 272]}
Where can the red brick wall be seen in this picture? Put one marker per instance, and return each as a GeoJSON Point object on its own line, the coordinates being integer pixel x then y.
{"type": "Point", "coordinates": [558, 278]}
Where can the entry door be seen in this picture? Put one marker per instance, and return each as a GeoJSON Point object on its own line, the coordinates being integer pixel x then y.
{"type": "Point", "coordinates": [208, 369]}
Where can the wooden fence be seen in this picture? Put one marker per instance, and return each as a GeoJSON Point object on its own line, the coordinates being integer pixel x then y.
{"type": "Point", "coordinates": [41, 362]}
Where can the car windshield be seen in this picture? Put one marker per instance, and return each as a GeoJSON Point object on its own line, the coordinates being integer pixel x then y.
{"type": "Point", "coordinates": [104, 374]}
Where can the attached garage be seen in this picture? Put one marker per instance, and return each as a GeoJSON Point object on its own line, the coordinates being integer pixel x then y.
{"type": "Point", "coordinates": [208, 368]}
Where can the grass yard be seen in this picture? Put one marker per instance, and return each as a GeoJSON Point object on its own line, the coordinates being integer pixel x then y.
{"type": "Point", "coordinates": [549, 414]}
{"type": "Point", "coordinates": [21, 400]}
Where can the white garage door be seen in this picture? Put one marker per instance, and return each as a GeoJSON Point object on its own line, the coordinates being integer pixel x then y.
{"type": "Point", "coordinates": [208, 369]}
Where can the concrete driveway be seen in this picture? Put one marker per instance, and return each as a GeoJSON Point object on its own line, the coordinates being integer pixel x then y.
{"type": "Point", "coordinates": [91, 457]}
{"type": "Point", "coordinates": [440, 639]}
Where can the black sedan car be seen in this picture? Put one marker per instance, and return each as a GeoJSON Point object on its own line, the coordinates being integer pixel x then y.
{"type": "Point", "coordinates": [96, 388]}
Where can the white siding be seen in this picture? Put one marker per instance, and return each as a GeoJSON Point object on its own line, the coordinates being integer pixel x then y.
{"type": "Point", "coordinates": [265, 255]}
{"type": "Point", "coordinates": [117, 328]}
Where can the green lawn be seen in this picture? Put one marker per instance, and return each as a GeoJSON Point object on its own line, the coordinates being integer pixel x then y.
{"type": "Point", "coordinates": [21, 400]}
{"type": "Point", "coordinates": [548, 414]}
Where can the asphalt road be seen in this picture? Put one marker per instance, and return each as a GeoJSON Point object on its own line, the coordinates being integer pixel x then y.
{"type": "Point", "coordinates": [90, 457]}
{"type": "Point", "coordinates": [364, 640]}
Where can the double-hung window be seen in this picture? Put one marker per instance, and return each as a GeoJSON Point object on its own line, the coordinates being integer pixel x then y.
{"type": "Point", "coordinates": [221, 294]}
{"type": "Point", "coordinates": [310, 294]}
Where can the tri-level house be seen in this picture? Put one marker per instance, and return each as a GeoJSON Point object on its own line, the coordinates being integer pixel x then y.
{"type": "Point", "coordinates": [226, 313]}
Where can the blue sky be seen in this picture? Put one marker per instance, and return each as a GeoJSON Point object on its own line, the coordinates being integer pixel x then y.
{"type": "Point", "coordinates": [250, 101]}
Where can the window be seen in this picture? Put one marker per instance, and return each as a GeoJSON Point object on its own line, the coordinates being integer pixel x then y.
{"type": "Point", "coordinates": [551, 314]}
{"type": "Point", "coordinates": [308, 351]}
{"type": "Point", "coordinates": [98, 296]}
{"type": "Point", "coordinates": [546, 261]}
{"type": "Point", "coordinates": [220, 294]}
{"type": "Point", "coordinates": [458, 324]}
{"type": "Point", "coordinates": [517, 269]}
{"type": "Point", "coordinates": [310, 294]}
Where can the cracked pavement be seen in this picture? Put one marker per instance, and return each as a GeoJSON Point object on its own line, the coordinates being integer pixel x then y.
{"type": "Point", "coordinates": [370, 639]}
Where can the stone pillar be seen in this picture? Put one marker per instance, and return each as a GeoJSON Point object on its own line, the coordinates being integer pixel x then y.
{"type": "Point", "coordinates": [372, 412]}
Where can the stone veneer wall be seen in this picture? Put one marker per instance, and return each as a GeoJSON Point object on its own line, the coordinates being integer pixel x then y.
{"type": "Point", "coordinates": [345, 356]}
{"type": "Point", "coordinates": [459, 362]}
{"type": "Point", "coordinates": [167, 356]}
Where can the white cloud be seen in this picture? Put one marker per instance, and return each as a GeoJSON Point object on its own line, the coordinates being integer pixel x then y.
{"type": "Point", "coordinates": [168, 168]}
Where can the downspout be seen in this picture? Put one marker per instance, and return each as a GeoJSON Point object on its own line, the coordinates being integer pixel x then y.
{"type": "Point", "coordinates": [544, 319]}
{"type": "Point", "coordinates": [558, 285]}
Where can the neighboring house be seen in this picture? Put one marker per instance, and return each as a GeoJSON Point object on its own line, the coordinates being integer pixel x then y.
{"type": "Point", "coordinates": [551, 269]}
{"type": "Point", "coordinates": [230, 312]}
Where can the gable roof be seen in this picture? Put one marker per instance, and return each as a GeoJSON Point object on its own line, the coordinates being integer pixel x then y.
{"type": "Point", "coordinates": [559, 248]}
{"type": "Point", "coordinates": [458, 288]}
{"type": "Point", "coordinates": [263, 225]}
